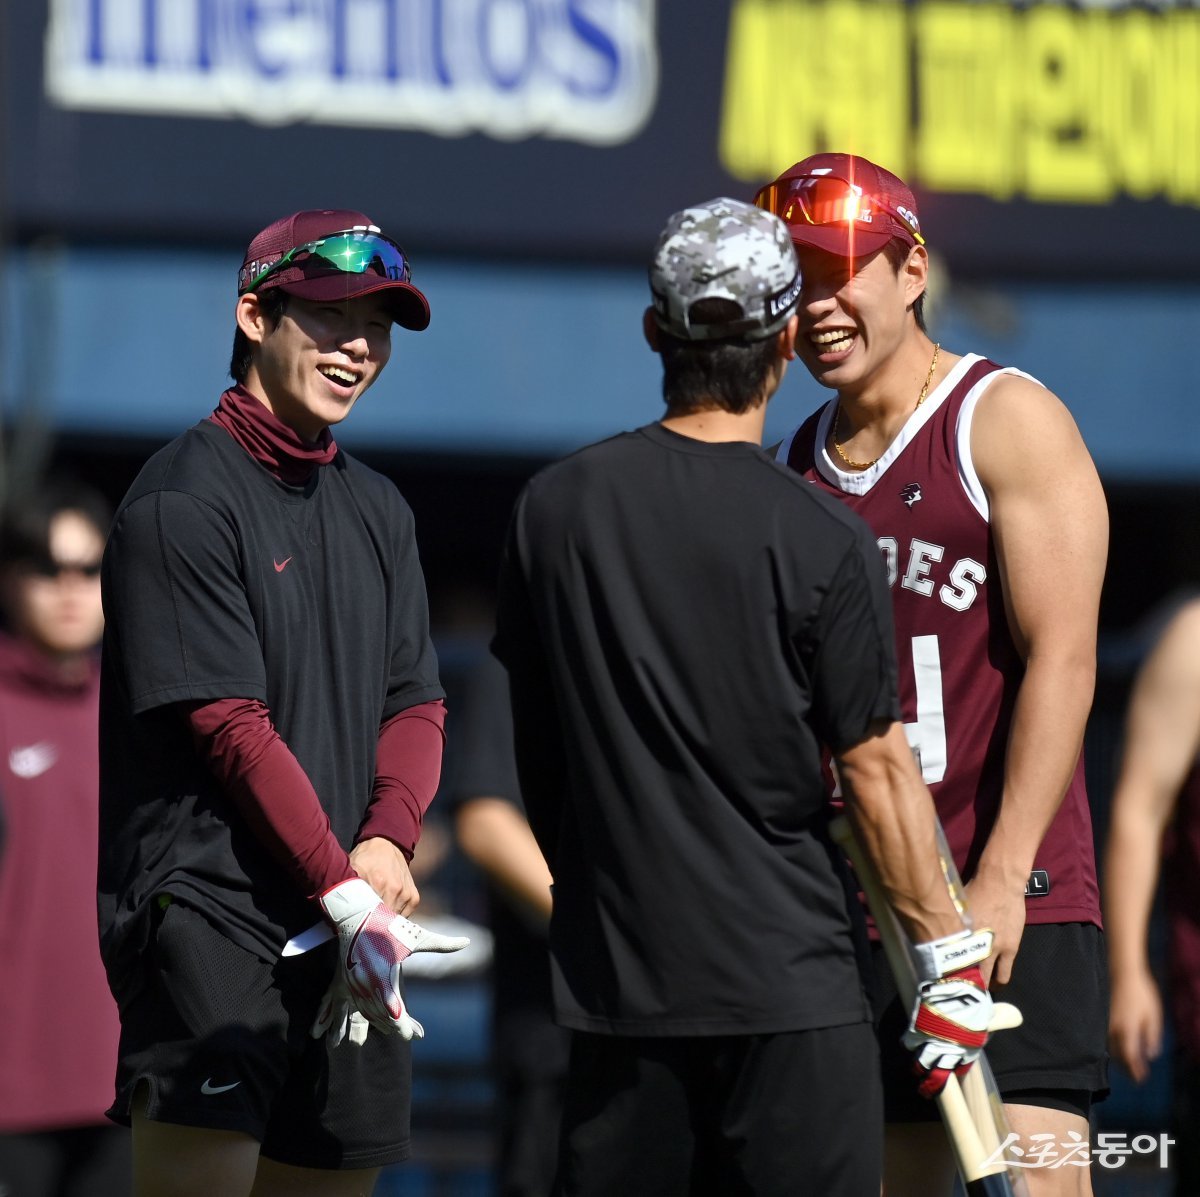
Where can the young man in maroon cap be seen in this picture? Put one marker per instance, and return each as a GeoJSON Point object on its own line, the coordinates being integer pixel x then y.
{"type": "Point", "coordinates": [271, 730]}
{"type": "Point", "coordinates": [993, 526]}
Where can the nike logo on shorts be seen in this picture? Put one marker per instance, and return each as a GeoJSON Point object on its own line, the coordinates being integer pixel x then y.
{"type": "Point", "coordinates": [280, 566]}
{"type": "Point", "coordinates": [208, 1088]}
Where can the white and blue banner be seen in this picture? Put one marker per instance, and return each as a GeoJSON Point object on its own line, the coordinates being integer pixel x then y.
{"type": "Point", "coordinates": [583, 70]}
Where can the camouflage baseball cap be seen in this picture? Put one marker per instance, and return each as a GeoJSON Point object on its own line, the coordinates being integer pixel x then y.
{"type": "Point", "coordinates": [724, 249]}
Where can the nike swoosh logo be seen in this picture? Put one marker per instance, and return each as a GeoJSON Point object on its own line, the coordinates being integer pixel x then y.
{"type": "Point", "coordinates": [208, 1088]}
{"type": "Point", "coordinates": [711, 276]}
{"type": "Point", "coordinates": [280, 566]}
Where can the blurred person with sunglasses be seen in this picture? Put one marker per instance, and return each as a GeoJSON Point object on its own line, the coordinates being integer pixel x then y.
{"type": "Point", "coordinates": [59, 1019]}
{"type": "Point", "coordinates": [271, 723]}
{"type": "Point", "coordinates": [993, 526]}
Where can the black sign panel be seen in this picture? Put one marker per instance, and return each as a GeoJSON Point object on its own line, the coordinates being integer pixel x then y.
{"type": "Point", "coordinates": [1040, 139]}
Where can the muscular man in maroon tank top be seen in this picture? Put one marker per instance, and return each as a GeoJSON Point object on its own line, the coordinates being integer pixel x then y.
{"type": "Point", "coordinates": [993, 525]}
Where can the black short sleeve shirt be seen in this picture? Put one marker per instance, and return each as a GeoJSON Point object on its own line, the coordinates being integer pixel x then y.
{"type": "Point", "coordinates": [220, 582]}
{"type": "Point", "coordinates": [685, 626]}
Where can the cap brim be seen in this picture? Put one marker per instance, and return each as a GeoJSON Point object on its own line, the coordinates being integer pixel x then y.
{"type": "Point", "coordinates": [846, 242]}
{"type": "Point", "coordinates": [410, 308]}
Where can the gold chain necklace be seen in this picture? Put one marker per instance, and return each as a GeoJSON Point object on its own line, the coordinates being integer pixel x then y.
{"type": "Point", "coordinates": [837, 419]}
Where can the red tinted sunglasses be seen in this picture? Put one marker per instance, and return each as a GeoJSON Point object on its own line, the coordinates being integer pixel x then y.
{"type": "Point", "coordinates": [827, 200]}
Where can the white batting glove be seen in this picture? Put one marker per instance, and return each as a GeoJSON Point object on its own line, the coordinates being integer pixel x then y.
{"type": "Point", "coordinates": [338, 1018]}
{"type": "Point", "coordinates": [941, 957]}
{"type": "Point", "coordinates": [373, 942]}
{"type": "Point", "coordinates": [948, 1026]}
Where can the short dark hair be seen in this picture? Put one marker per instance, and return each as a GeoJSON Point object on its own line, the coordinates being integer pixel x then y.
{"type": "Point", "coordinates": [25, 527]}
{"type": "Point", "coordinates": [896, 252]}
{"type": "Point", "coordinates": [729, 374]}
{"type": "Point", "coordinates": [272, 303]}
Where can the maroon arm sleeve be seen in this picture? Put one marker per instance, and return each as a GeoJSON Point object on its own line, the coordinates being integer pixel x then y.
{"type": "Point", "coordinates": [270, 790]}
{"type": "Point", "coordinates": [408, 767]}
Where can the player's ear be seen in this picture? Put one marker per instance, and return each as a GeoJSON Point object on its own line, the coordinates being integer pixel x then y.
{"type": "Point", "coordinates": [785, 339]}
{"type": "Point", "coordinates": [915, 274]}
{"type": "Point", "coordinates": [650, 329]}
{"type": "Point", "coordinates": [251, 319]}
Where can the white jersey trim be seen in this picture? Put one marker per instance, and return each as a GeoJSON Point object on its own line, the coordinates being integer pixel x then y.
{"type": "Point", "coordinates": [967, 474]}
{"type": "Point", "coordinates": [862, 481]}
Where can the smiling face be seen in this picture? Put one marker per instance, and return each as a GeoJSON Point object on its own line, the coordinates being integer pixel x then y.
{"type": "Point", "coordinates": [855, 313]}
{"type": "Point", "coordinates": [311, 366]}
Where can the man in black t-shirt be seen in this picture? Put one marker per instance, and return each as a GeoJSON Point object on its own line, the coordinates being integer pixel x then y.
{"type": "Point", "coordinates": [271, 733]}
{"type": "Point", "coordinates": [686, 625]}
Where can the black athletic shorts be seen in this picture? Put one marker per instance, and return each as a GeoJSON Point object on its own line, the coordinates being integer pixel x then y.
{"type": "Point", "coordinates": [794, 1114]}
{"type": "Point", "coordinates": [222, 1039]}
{"type": "Point", "coordinates": [1056, 1058]}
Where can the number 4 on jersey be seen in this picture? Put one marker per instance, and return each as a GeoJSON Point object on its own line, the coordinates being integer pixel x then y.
{"type": "Point", "coordinates": [927, 736]}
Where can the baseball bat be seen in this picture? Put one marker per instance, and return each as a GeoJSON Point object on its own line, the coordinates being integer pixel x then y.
{"type": "Point", "coordinates": [970, 1122]}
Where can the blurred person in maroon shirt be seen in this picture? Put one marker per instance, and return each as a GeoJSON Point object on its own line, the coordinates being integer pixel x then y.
{"type": "Point", "coordinates": [59, 1019]}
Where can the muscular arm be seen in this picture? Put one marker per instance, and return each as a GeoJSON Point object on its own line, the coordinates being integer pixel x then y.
{"type": "Point", "coordinates": [495, 835]}
{"type": "Point", "coordinates": [1050, 523]}
{"type": "Point", "coordinates": [1162, 739]}
{"type": "Point", "coordinates": [892, 813]}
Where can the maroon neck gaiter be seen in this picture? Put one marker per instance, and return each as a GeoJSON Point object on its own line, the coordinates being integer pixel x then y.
{"type": "Point", "coordinates": [276, 447]}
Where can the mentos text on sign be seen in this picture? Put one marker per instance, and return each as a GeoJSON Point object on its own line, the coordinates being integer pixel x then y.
{"type": "Point", "coordinates": [586, 70]}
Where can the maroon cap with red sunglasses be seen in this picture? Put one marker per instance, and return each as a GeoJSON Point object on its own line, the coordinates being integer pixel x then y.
{"type": "Point", "coordinates": [333, 254]}
{"type": "Point", "coordinates": [843, 204]}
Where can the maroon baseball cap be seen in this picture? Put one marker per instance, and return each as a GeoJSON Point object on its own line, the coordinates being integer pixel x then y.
{"type": "Point", "coordinates": [843, 204]}
{"type": "Point", "coordinates": [361, 262]}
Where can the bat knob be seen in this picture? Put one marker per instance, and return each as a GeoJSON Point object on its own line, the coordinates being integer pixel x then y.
{"type": "Point", "coordinates": [1005, 1016]}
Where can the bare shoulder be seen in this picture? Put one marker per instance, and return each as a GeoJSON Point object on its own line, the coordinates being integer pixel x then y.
{"type": "Point", "coordinates": [1021, 426]}
{"type": "Point", "coordinates": [1021, 407]}
{"type": "Point", "coordinates": [1165, 703]}
{"type": "Point", "coordinates": [1180, 639]}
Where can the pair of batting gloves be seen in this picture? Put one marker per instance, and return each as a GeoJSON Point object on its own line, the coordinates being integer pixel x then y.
{"type": "Point", "coordinates": [373, 942]}
{"type": "Point", "coordinates": [952, 1010]}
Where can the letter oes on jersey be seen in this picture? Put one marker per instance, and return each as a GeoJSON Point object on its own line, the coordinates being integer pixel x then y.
{"type": "Point", "coordinates": [958, 593]}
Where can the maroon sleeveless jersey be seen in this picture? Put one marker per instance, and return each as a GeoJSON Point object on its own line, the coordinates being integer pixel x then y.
{"type": "Point", "coordinates": [959, 669]}
{"type": "Point", "coordinates": [1181, 882]}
